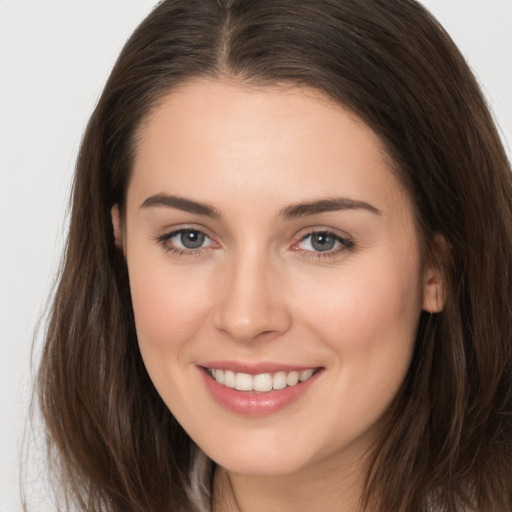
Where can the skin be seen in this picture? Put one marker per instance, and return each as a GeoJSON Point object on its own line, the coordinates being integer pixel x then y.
{"type": "Point", "coordinates": [258, 290]}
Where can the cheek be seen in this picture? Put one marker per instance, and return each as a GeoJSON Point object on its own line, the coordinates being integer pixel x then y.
{"type": "Point", "coordinates": [366, 301]}
{"type": "Point", "coordinates": [169, 308]}
{"type": "Point", "coordinates": [369, 320]}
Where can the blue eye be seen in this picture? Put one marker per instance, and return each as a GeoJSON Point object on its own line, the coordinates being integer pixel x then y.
{"type": "Point", "coordinates": [186, 241]}
{"type": "Point", "coordinates": [324, 242]}
{"type": "Point", "coordinates": [191, 239]}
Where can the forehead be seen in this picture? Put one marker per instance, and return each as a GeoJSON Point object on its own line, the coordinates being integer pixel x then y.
{"type": "Point", "coordinates": [210, 137]}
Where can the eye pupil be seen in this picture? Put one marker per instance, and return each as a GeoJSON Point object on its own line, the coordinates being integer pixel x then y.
{"type": "Point", "coordinates": [322, 241]}
{"type": "Point", "coordinates": [192, 239]}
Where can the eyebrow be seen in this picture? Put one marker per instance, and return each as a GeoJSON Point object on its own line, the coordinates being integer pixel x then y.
{"type": "Point", "coordinates": [180, 203]}
{"type": "Point", "coordinates": [290, 212]}
{"type": "Point", "coordinates": [326, 205]}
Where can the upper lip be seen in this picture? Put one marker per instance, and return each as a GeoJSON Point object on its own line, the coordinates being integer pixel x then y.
{"type": "Point", "coordinates": [256, 368]}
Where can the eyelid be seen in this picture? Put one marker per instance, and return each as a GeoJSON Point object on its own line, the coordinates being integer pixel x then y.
{"type": "Point", "coordinates": [164, 240]}
{"type": "Point", "coordinates": [303, 233]}
{"type": "Point", "coordinates": [171, 230]}
{"type": "Point", "coordinates": [346, 242]}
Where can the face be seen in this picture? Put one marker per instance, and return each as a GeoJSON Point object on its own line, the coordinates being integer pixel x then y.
{"type": "Point", "coordinates": [275, 273]}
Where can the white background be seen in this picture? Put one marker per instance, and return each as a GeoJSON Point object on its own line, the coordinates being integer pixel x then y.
{"type": "Point", "coordinates": [54, 60]}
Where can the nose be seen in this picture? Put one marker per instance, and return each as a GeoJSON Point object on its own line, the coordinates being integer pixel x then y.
{"type": "Point", "coordinates": [252, 300]}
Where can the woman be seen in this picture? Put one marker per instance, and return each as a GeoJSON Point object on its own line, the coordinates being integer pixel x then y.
{"type": "Point", "coordinates": [287, 279]}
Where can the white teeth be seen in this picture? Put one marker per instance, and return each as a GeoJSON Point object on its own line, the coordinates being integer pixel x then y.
{"type": "Point", "coordinates": [229, 379]}
{"type": "Point", "coordinates": [262, 383]}
{"type": "Point", "coordinates": [305, 375]}
{"type": "Point", "coordinates": [292, 378]}
{"type": "Point", "coordinates": [279, 380]}
{"type": "Point", "coordinates": [219, 376]}
{"type": "Point", "coordinates": [243, 382]}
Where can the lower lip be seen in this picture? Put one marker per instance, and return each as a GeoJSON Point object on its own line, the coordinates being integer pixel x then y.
{"type": "Point", "coordinates": [252, 403]}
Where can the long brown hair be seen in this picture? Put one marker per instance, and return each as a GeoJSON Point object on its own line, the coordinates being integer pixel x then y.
{"type": "Point", "coordinates": [447, 441]}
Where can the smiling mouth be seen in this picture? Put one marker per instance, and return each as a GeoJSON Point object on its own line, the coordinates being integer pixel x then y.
{"type": "Point", "coordinates": [263, 382]}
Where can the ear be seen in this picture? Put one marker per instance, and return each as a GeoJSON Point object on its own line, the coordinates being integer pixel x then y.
{"type": "Point", "coordinates": [434, 286]}
{"type": "Point", "coordinates": [116, 225]}
{"type": "Point", "coordinates": [433, 292]}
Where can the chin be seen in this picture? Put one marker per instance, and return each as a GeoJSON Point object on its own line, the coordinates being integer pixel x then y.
{"type": "Point", "coordinates": [261, 464]}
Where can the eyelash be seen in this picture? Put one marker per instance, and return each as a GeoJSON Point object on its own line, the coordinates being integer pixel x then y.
{"type": "Point", "coordinates": [344, 244]}
{"type": "Point", "coordinates": [164, 241]}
